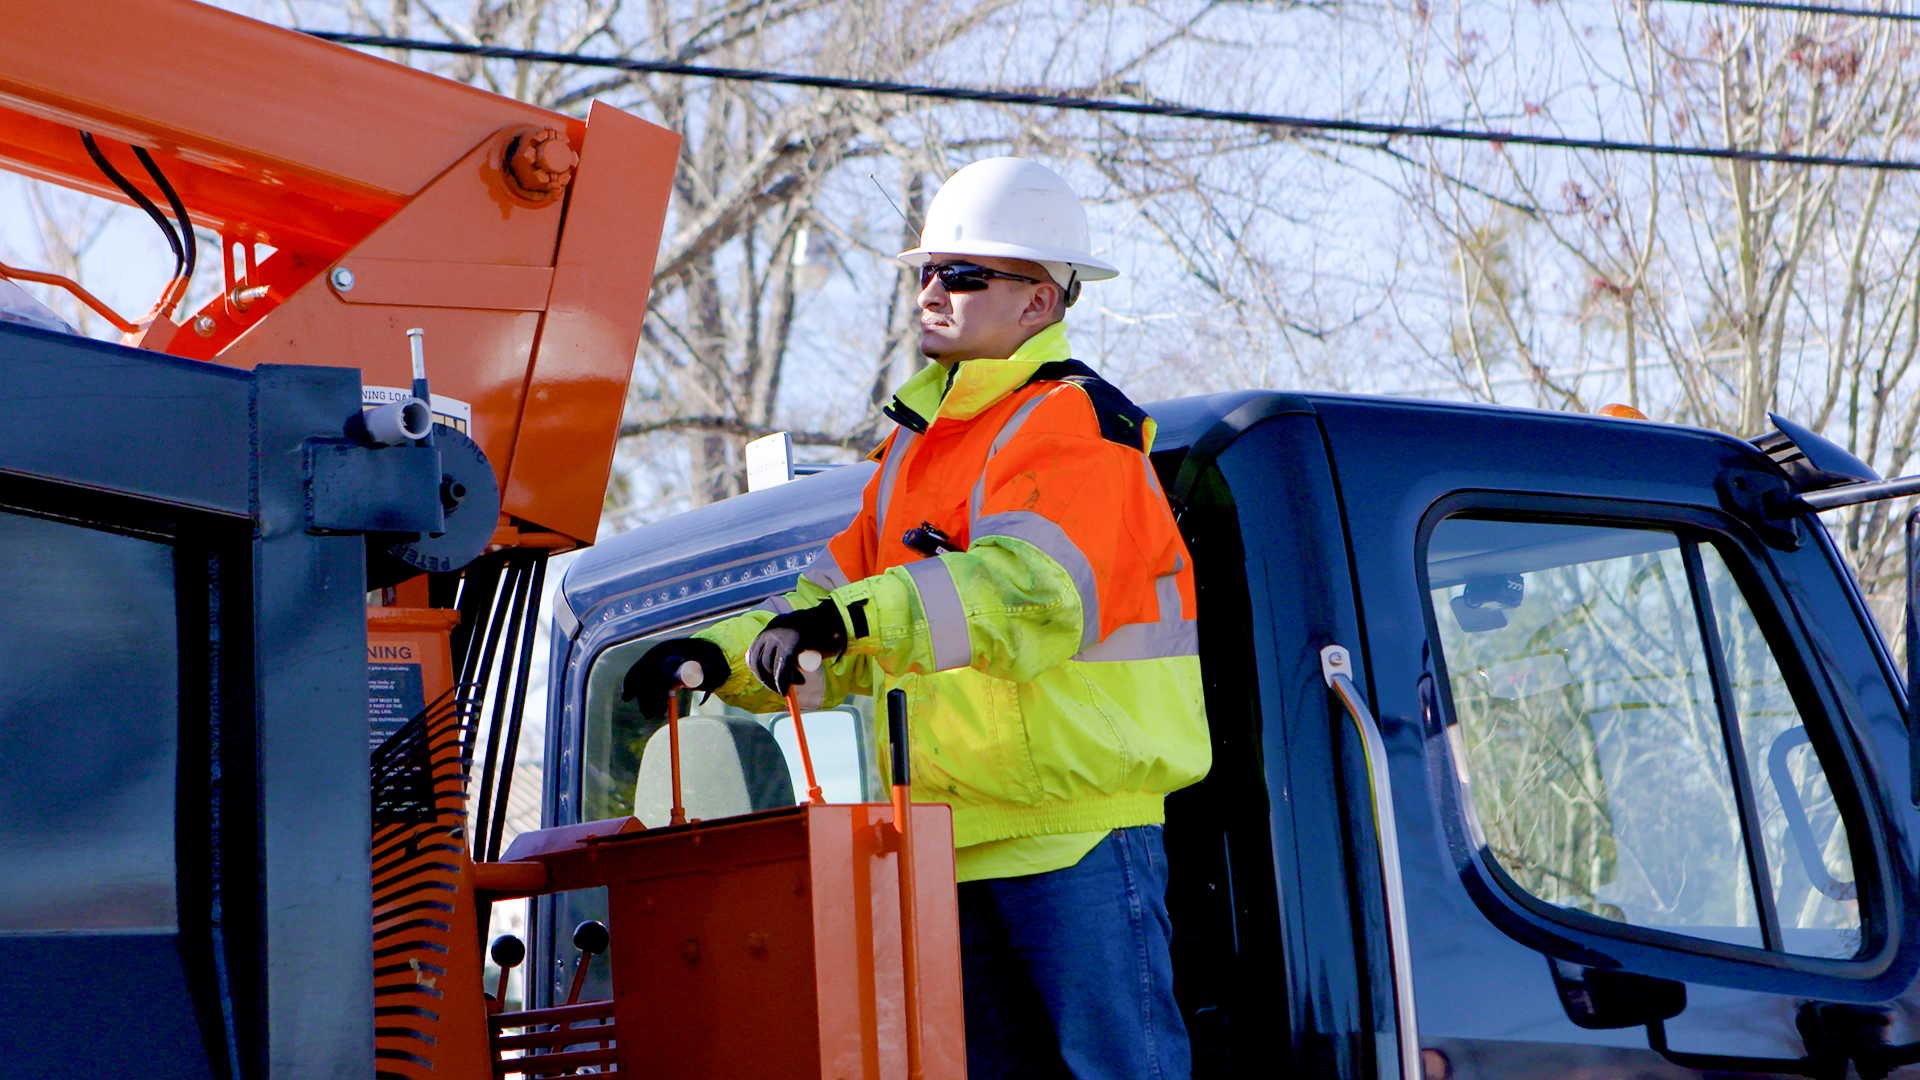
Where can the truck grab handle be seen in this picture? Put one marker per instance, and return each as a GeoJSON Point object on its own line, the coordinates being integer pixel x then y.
{"type": "Point", "coordinates": [1336, 667]}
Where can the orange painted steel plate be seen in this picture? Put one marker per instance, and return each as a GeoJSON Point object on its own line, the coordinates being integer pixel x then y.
{"type": "Point", "coordinates": [769, 945]}
{"type": "Point", "coordinates": [330, 155]}
{"type": "Point", "coordinates": [475, 356]}
{"type": "Point", "coordinates": [430, 1013]}
{"type": "Point", "coordinates": [245, 98]}
{"type": "Point", "coordinates": [299, 217]}
{"type": "Point", "coordinates": [570, 420]}
{"type": "Point", "coordinates": [399, 639]}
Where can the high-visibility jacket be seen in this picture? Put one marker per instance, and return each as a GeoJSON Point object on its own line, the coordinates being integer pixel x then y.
{"type": "Point", "coordinates": [1051, 662]}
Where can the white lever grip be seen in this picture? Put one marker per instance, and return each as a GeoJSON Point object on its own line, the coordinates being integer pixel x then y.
{"type": "Point", "coordinates": [691, 674]}
{"type": "Point", "coordinates": [810, 660]}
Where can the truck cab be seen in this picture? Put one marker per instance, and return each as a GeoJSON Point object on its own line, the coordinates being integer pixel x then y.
{"type": "Point", "coordinates": [1618, 783]}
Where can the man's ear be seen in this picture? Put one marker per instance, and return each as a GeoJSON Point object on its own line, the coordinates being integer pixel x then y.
{"type": "Point", "coordinates": [1043, 307]}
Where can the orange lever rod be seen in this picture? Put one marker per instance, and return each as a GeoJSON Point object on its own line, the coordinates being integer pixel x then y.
{"type": "Point", "coordinates": [678, 815]}
{"type": "Point", "coordinates": [806, 758]}
{"type": "Point", "coordinates": [85, 297]}
{"type": "Point", "coordinates": [909, 924]}
{"type": "Point", "coordinates": [591, 939]}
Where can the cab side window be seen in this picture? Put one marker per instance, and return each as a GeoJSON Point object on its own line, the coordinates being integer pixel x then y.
{"type": "Point", "coordinates": [620, 739]}
{"type": "Point", "coordinates": [1627, 742]}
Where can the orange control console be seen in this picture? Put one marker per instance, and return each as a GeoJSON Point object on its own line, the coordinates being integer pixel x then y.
{"type": "Point", "coordinates": [767, 945]}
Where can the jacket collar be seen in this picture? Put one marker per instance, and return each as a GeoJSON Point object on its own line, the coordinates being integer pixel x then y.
{"type": "Point", "coordinates": [974, 386]}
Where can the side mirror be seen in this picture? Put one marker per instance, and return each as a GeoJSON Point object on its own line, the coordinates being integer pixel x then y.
{"type": "Point", "coordinates": [1602, 998]}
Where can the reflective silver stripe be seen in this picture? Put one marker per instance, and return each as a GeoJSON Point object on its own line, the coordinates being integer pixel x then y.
{"type": "Point", "coordinates": [825, 571]}
{"type": "Point", "coordinates": [1007, 432]}
{"type": "Point", "coordinates": [1167, 588]}
{"type": "Point", "coordinates": [889, 469]}
{"type": "Point", "coordinates": [812, 694]}
{"type": "Point", "coordinates": [1153, 478]}
{"type": "Point", "coordinates": [1146, 641]}
{"type": "Point", "coordinates": [946, 616]}
{"type": "Point", "coordinates": [1171, 636]}
{"type": "Point", "coordinates": [779, 605]}
{"type": "Point", "coordinates": [1052, 540]}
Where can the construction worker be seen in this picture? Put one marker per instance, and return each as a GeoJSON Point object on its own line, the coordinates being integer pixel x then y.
{"type": "Point", "coordinates": [1016, 570]}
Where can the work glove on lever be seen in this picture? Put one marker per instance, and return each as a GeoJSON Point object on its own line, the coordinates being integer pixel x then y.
{"type": "Point", "coordinates": [774, 656]}
{"type": "Point", "coordinates": [660, 672]}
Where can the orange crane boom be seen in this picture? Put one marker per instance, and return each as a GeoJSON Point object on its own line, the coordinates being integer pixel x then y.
{"type": "Point", "coordinates": [388, 201]}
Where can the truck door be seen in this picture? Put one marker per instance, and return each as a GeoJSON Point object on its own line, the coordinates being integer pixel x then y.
{"type": "Point", "coordinates": [184, 805]}
{"type": "Point", "coordinates": [1273, 874]}
{"type": "Point", "coordinates": [1650, 771]}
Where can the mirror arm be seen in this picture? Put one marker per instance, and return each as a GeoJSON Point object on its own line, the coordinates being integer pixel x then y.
{"type": "Point", "coordinates": [1818, 1068]}
{"type": "Point", "coordinates": [1854, 494]}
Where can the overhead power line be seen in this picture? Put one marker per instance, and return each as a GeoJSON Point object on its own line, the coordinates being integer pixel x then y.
{"type": "Point", "coordinates": [1809, 9]}
{"type": "Point", "coordinates": [1130, 108]}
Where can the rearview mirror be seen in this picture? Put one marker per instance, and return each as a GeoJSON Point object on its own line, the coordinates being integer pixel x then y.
{"type": "Point", "coordinates": [1602, 998]}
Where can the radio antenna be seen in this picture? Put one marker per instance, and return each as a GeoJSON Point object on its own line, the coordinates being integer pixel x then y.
{"type": "Point", "coordinates": [896, 206]}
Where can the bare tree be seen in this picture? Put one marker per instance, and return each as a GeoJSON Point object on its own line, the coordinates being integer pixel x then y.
{"type": "Point", "coordinates": [1707, 292]}
{"type": "Point", "coordinates": [1250, 259]}
{"type": "Point", "coordinates": [777, 186]}
{"type": "Point", "coordinates": [64, 227]}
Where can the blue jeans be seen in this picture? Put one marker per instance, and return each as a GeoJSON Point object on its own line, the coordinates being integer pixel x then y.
{"type": "Point", "coordinates": [1068, 973]}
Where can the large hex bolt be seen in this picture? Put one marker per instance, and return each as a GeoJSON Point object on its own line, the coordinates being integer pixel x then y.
{"type": "Point", "coordinates": [540, 163]}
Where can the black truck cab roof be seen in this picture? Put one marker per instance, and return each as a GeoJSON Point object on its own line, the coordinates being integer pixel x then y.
{"type": "Point", "coordinates": [1647, 751]}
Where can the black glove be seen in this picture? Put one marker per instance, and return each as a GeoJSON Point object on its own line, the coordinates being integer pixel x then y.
{"type": "Point", "coordinates": [774, 656]}
{"type": "Point", "coordinates": [657, 674]}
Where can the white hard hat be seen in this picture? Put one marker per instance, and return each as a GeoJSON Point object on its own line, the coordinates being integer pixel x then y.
{"type": "Point", "coordinates": [1014, 209]}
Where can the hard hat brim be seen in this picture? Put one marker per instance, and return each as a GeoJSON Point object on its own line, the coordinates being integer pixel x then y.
{"type": "Point", "coordinates": [1089, 268]}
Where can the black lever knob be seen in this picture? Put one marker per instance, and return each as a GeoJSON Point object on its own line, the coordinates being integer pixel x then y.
{"type": "Point", "coordinates": [591, 937]}
{"type": "Point", "coordinates": [897, 734]}
{"type": "Point", "coordinates": [508, 951]}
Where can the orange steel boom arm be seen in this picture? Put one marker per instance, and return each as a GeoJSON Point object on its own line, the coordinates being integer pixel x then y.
{"type": "Point", "coordinates": [390, 199]}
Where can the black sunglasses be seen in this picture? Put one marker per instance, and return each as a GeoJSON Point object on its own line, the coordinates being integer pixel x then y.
{"type": "Point", "coordinates": [966, 277]}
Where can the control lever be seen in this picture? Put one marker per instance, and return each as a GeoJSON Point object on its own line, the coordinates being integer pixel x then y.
{"type": "Point", "coordinates": [903, 828]}
{"type": "Point", "coordinates": [591, 938]}
{"type": "Point", "coordinates": [809, 660]}
{"type": "Point", "coordinates": [690, 675]}
{"type": "Point", "coordinates": [507, 952]}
